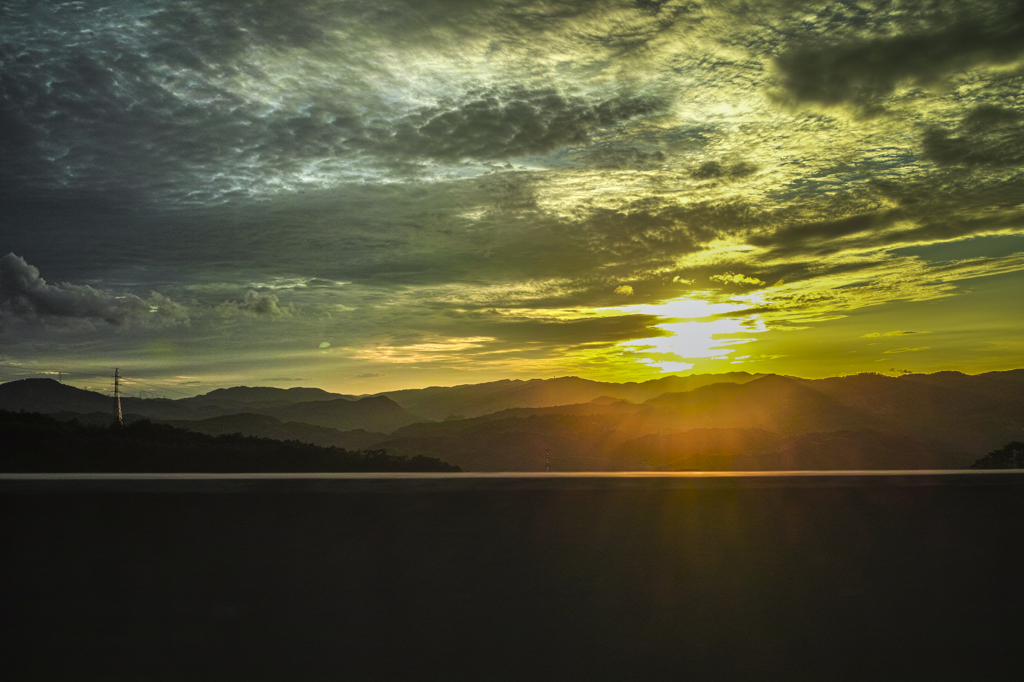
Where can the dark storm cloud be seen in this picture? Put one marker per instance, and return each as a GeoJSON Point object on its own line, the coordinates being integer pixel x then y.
{"type": "Point", "coordinates": [606, 330]}
{"type": "Point", "coordinates": [806, 236]}
{"type": "Point", "coordinates": [27, 296]}
{"type": "Point", "coordinates": [715, 170]}
{"type": "Point", "coordinates": [936, 228]}
{"type": "Point", "coordinates": [512, 329]}
{"type": "Point", "coordinates": [987, 136]}
{"type": "Point", "coordinates": [862, 70]}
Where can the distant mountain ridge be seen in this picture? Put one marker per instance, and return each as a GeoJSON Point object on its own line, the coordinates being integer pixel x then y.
{"type": "Point", "coordinates": [863, 421]}
{"type": "Point", "coordinates": [264, 394]}
{"type": "Point", "coordinates": [474, 400]}
{"type": "Point", "coordinates": [718, 422]}
{"type": "Point", "coordinates": [375, 413]}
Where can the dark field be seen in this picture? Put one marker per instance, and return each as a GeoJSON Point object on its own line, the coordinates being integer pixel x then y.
{"type": "Point", "coordinates": [823, 577]}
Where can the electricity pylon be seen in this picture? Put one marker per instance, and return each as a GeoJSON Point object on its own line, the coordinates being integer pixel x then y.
{"type": "Point", "coordinates": [117, 395]}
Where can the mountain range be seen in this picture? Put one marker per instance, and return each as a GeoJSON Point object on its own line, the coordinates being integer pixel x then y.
{"type": "Point", "coordinates": [734, 421]}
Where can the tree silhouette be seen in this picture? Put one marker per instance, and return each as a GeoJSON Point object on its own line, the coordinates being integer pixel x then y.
{"type": "Point", "coordinates": [1010, 456]}
{"type": "Point", "coordinates": [31, 442]}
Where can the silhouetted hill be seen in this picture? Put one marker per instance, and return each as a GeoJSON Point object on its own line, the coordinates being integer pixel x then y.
{"type": "Point", "coordinates": [264, 394]}
{"type": "Point", "coordinates": [511, 444]}
{"type": "Point", "coordinates": [228, 401]}
{"type": "Point", "coordinates": [265, 426]}
{"type": "Point", "coordinates": [775, 403]}
{"type": "Point", "coordinates": [858, 422]}
{"type": "Point", "coordinates": [47, 395]}
{"type": "Point", "coordinates": [474, 400]}
{"type": "Point", "coordinates": [32, 442]}
{"type": "Point", "coordinates": [376, 413]}
{"type": "Point", "coordinates": [848, 450]}
{"type": "Point", "coordinates": [607, 400]}
{"type": "Point", "coordinates": [947, 419]}
{"type": "Point", "coordinates": [692, 450]}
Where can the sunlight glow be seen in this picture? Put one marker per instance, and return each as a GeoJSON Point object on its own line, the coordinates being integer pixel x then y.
{"type": "Point", "coordinates": [682, 309]}
{"type": "Point", "coordinates": [696, 333]}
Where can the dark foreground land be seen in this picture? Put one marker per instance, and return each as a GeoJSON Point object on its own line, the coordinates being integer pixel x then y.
{"type": "Point", "coordinates": [34, 443]}
{"type": "Point", "coordinates": [815, 577]}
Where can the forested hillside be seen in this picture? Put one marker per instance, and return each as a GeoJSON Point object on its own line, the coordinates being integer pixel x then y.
{"type": "Point", "coordinates": [32, 442]}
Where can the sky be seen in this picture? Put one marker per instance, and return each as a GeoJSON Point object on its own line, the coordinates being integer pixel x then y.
{"type": "Point", "coordinates": [365, 195]}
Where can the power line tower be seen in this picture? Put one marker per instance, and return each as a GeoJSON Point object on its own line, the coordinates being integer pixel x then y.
{"type": "Point", "coordinates": [547, 461]}
{"type": "Point", "coordinates": [117, 395]}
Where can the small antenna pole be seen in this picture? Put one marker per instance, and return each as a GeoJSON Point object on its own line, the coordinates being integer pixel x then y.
{"type": "Point", "coordinates": [60, 377]}
{"type": "Point", "coordinates": [117, 395]}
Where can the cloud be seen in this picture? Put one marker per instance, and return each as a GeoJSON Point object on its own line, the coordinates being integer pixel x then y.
{"type": "Point", "coordinates": [499, 124]}
{"type": "Point", "coordinates": [987, 136]}
{"type": "Point", "coordinates": [25, 295]}
{"type": "Point", "coordinates": [254, 304]}
{"type": "Point", "coordinates": [715, 170]}
{"type": "Point", "coordinates": [624, 290]}
{"type": "Point", "coordinates": [450, 158]}
{"type": "Point", "coordinates": [861, 70]}
{"type": "Point", "coordinates": [875, 335]}
{"type": "Point", "coordinates": [730, 278]}
{"type": "Point", "coordinates": [611, 157]}
{"type": "Point", "coordinates": [907, 350]}
{"type": "Point", "coordinates": [650, 229]}
{"type": "Point", "coordinates": [802, 236]}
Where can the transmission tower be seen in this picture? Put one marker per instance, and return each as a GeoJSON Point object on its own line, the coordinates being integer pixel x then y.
{"type": "Point", "coordinates": [117, 395]}
{"type": "Point", "coordinates": [547, 461]}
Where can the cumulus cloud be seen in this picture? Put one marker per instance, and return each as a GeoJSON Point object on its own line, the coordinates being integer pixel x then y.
{"type": "Point", "coordinates": [25, 295]}
{"type": "Point", "coordinates": [624, 290]}
{"type": "Point", "coordinates": [255, 304]}
{"type": "Point", "coordinates": [730, 278]}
